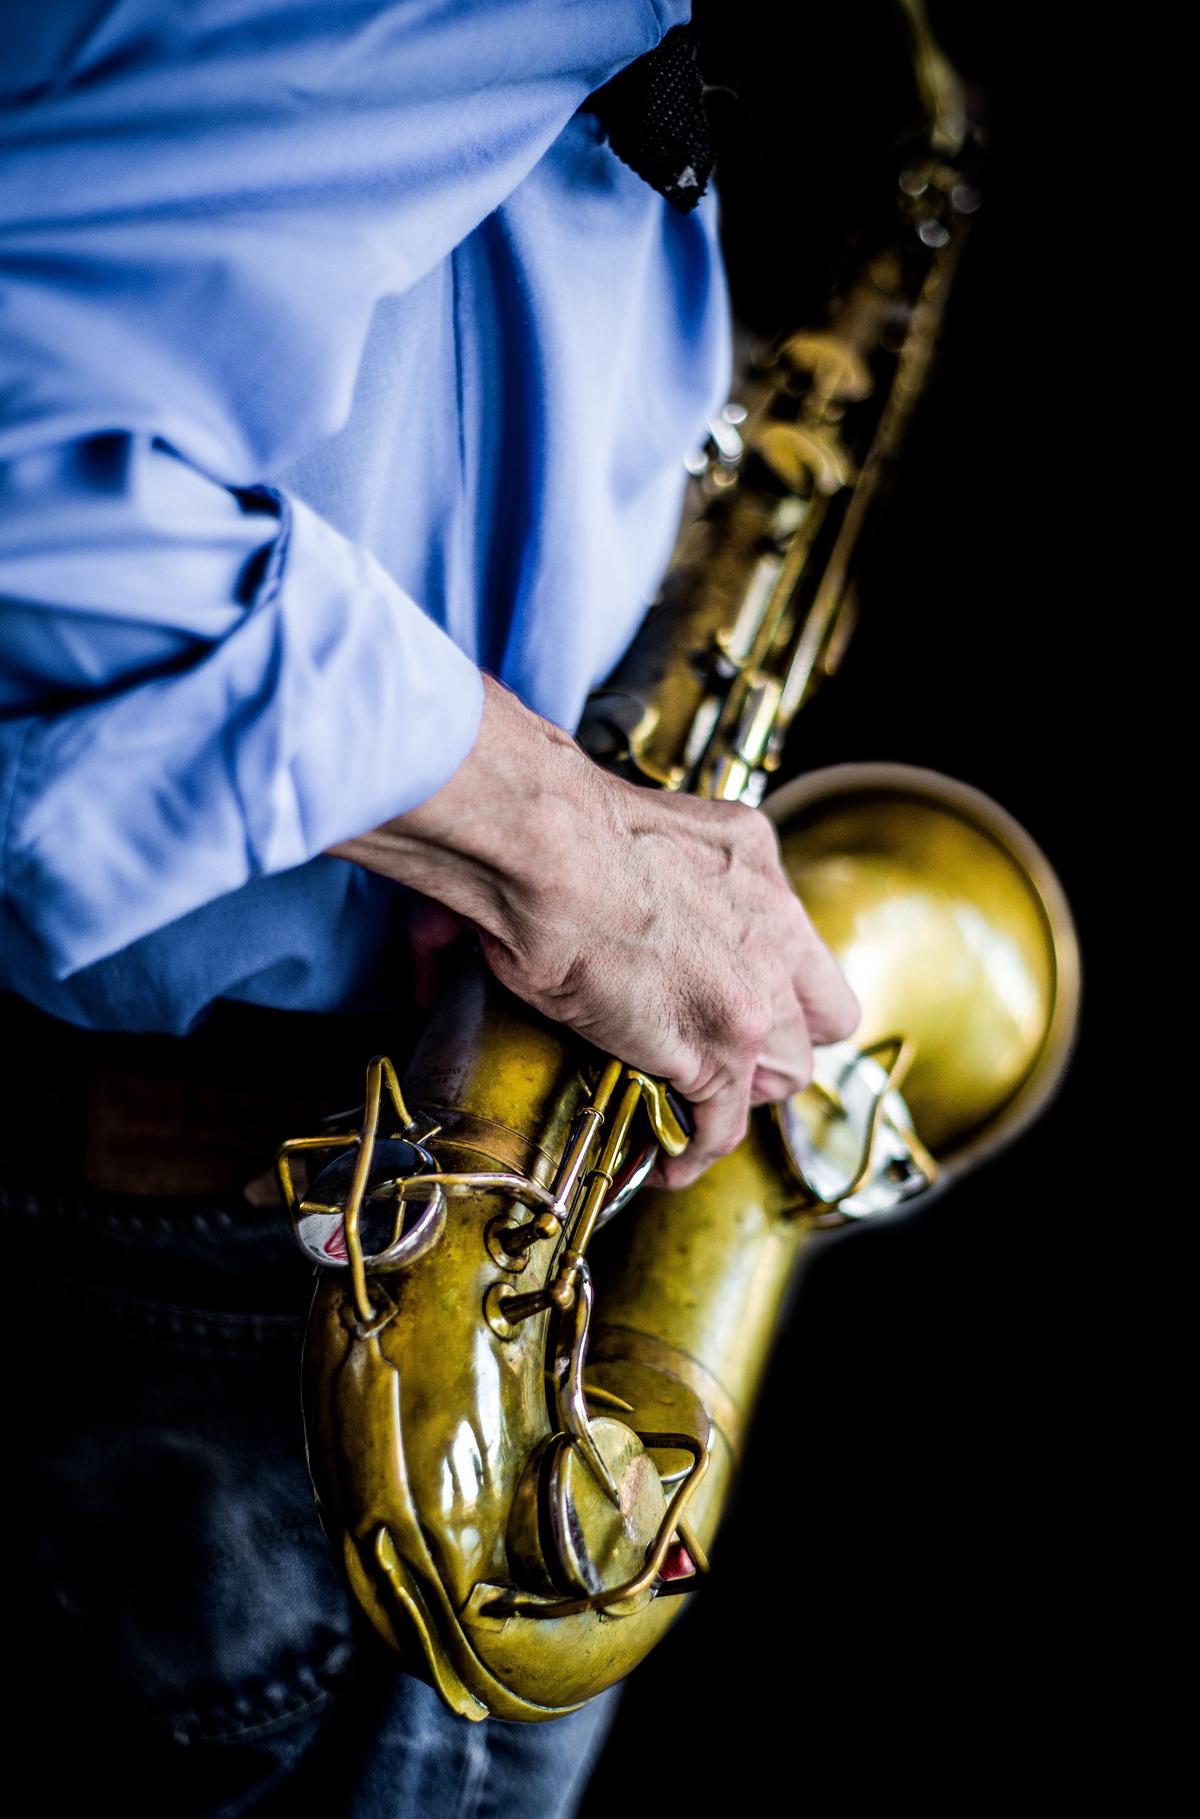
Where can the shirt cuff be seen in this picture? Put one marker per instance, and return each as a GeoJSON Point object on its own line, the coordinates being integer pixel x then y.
{"type": "Point", "coordinates": [333, 705]}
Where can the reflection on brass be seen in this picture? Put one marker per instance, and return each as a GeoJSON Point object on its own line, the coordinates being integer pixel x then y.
{"type": "Point", "coordinates": [950, 926]}
{"type": "Point", "coordinates": [590, 1544]}
{"type": "Point", "coordinates": [521, 1426]}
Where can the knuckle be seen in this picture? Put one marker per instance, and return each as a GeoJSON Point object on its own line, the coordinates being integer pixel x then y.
{"type": "Point", "coordinates": [756, 833]}
{"type": "Point", "coordinates": [747, 1022]}
{"type": "Point", "coordinates": [756, 1031]}
{"type": "Point", "coordinates": [846, 1019]}
{"type": "Point", "coordinates": [683, 1066]}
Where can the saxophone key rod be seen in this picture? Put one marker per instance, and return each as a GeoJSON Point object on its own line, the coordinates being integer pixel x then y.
{"type": "Point", "coordinates": [515, 1241]}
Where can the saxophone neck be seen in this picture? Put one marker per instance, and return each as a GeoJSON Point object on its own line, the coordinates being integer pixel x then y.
{"type": "Point", "coordinates": [756, 607]}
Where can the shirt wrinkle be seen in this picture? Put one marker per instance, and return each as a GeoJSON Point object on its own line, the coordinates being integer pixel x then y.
{"type": "Point", "coordinates": [453, 341]}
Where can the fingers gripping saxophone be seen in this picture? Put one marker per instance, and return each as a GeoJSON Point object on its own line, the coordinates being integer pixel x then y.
{"type": "Point", "coordinates": [520, 1468]}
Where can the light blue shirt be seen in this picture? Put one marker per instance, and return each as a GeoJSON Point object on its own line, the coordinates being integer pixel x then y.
{"type": "Point", "coordinates": [339, 357]}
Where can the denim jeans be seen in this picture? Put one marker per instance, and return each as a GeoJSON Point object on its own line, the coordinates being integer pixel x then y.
{"type": "Point", "coordinates": [188, 1648]}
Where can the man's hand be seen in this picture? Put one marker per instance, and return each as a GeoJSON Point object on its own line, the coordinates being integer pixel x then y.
{"type": "Point", "coordinates": [660, 927]}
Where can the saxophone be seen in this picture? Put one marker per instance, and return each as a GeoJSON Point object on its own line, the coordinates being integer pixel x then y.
{"type": "Point", "coordinates": [521, 1427]}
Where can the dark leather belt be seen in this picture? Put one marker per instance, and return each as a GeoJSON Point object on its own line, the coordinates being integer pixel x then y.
{"type": "Point", "coordinates": [165, 1116]}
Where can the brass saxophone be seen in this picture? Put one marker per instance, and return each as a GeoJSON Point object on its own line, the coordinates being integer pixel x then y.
{"type": "Point", "coordinates": [521, 1438]}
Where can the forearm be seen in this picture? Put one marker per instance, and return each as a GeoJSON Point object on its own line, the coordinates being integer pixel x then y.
{"type": "Point", "coordinates": [493, 843]}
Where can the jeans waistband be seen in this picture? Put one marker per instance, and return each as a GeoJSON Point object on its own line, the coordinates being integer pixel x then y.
{"type": "Point", "coordinates": [162, 1116]}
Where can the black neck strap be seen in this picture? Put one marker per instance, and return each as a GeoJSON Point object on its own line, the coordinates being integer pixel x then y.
{"type": "Point", "coordinates": [653, 114]}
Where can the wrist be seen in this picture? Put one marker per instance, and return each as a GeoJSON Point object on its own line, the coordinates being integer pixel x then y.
{"type": "Point", "coordinates": [494, 839]}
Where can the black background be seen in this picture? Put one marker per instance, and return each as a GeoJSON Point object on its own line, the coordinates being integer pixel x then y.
{"type": "Point", "coordinates": [908, 1601]}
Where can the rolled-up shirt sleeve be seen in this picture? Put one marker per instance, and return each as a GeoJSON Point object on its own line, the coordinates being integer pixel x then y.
{"type": "Point", "coordinates": [327, 704]}
{"type": "Point", "coordinates": [202, 681]}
